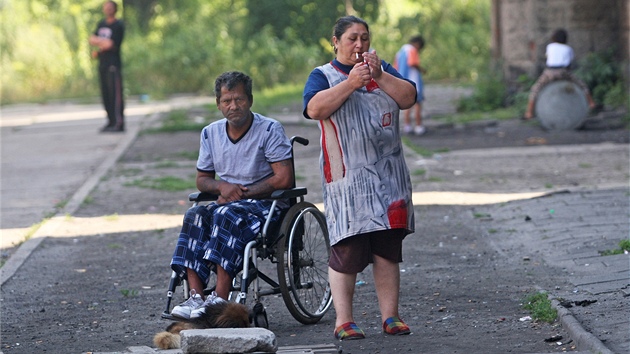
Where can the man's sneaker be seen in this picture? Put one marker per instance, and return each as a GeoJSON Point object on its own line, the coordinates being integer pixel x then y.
{"type": "Point", "coordinates": [210, 300]}
{"type": "Point", "coordinates": [407, 129]}
{"type": "Point", "coordinates": [419, 130]}
{"type": "Point", "coordinates": [184, 309]}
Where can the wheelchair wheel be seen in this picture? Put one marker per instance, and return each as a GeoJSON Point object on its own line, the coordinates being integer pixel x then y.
{"type": "Point", "coordinates": [303, 254]}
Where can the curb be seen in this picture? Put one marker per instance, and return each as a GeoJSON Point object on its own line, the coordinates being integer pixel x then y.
{"type": "Point", "coordinates": [584, 340]}
{"type": "Point", "coordinates": [18, 258]}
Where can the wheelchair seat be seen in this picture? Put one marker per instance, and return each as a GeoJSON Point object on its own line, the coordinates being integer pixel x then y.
{"type": "Point", "coordinates": [299, 246]}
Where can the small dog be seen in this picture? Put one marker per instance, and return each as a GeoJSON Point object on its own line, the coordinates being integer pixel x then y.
{"type": "Point", "coordinates": [218, 315]}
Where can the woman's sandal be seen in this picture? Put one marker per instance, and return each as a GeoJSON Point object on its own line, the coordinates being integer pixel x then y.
{"type": "Point", "coordinates": [395, 326]}
{"type": "Point", "coordinates": [349, 330]}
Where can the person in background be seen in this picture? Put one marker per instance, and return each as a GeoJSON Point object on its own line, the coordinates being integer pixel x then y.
{"type": "Point", "coordinates": [356, 99]}
{"type": "Point", "coordinates": [559, 57]}
{"type": "Point", "coordinates": [251, 155]}
{"type": "Point", "coordinates": [407, 62]}
{"type": "Point", "coordinates": [107, 39]}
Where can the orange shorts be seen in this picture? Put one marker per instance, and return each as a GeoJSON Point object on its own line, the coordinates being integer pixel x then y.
{"type": "Point", "coordinates": [353, 254]}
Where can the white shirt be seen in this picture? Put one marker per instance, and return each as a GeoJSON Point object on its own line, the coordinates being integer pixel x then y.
{"type": "Point", "coordinates": [559, 55]}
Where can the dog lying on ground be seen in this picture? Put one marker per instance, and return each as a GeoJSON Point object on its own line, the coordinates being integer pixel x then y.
{"type": "Point", "coordinates": [218, 315]}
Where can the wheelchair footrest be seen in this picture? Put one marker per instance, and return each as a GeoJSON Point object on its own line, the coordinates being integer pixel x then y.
{"type": "Point", "coordinates": [168, 316]}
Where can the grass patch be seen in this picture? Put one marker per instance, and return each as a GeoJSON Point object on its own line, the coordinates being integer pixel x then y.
{"type": "Point", "coordinates": [166, 164]}
{"type": "Point", "coordinates": [422, 151]}
{"type": "Point", "coordinates": [539, 306]}
{"type": "Point", "coordinates": [189, 155]}
{"type": "Point", "coordinates": [167, 183]}
{"type": "Point", "coordinates": [279, 98]}
{"type": "Point", "coordinates": [419, 172]}
{"type": "Point", "coordinates": [505, 113]}
{"type": "Point", "coordinates": [88, 200]}
{"type": "Point", "coordinates": [624, 246]}
{"type": "Point", "coordinates": [129, 292]}
{"type": "Point", "coordinates": [179, 120]}
{"type": "Point", "coordinates": [129, 172]}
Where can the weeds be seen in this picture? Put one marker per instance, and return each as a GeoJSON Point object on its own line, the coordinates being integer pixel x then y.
{"type": "Point", "coordinates": [539, 306]}
{"type": "Point", "coordinates": [88, 200]}
{"type": "Point", "coordinates": [624, 247]}
{"type": "Point", "coordinates": [129, 292]}
{"type": "Point", "coordinates": [424, 152]}
{"type": "Point", "coordinates": [167, 183]}
{"type": "Point", "coordinates": [112, 217]}
{"type": "Point", "coordinates": [179, 120]}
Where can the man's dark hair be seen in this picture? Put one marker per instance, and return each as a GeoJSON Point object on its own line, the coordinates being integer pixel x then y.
{"type": "Point", "coordinates": [343, 23]}
{"type": "Point", "coordinates": [417, 39]}
{"type": "Point", "coordinates": [230, 80]}
{"type": "Point", "coordinates": [114, 4]}
{"type": "Point", "coordinates": [560, 36]}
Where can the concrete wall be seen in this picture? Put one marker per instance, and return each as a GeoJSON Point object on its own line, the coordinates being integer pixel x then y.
{"type": "Point", "coordinates": [521, 29]}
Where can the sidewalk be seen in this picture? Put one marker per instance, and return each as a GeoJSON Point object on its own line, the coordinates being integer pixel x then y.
{"type": "Point", "coordinates": [564, 231]}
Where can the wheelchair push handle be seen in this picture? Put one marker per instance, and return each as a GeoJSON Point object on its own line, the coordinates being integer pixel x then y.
{"type": "Point", "coordinates": [300, 140]}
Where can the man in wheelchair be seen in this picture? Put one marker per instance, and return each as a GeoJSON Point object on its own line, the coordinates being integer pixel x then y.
{"type": "Point", "coordinates": [251, 156]}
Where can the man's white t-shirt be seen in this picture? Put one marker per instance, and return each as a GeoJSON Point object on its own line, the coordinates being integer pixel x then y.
{"type": "Point", "coordinates": [559, 55]}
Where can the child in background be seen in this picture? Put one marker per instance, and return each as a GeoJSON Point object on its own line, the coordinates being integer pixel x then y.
{"type": "Point", "coordinates": [559, 56]}
{"type": "Point", "coordinates": [407, 62]}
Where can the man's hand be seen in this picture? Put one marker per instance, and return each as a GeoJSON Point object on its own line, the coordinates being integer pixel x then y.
{"type": "Point", "coordinates": [230, 192]}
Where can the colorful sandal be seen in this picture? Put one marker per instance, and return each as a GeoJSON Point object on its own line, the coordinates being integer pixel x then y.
{"type": "Point", "coordinates": [349, 330]}
{"type": "Point", "coordinates": [395, 326]}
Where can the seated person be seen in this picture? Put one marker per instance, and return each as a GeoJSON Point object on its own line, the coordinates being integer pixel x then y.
{"type": "Point", "coordinates": [251, 155]}
{"type": "Point", "coordinates": [559, 57]}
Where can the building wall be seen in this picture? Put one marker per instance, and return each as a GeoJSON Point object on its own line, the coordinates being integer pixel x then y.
{"type": "Point", "coordinates": [521, 29]}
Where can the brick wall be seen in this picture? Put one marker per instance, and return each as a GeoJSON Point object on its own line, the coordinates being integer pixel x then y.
{"type": "Point", "coordinates": [521, 29]}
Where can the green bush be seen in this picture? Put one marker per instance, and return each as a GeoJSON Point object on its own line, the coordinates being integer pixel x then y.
{"type": "Point", "coordinates": [602, 74]}
{"type": "Point", "coordinates": [489, 93]}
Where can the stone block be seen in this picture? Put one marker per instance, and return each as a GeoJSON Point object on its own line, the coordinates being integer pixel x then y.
{"type": "Point", "coordinates": [228, 340]}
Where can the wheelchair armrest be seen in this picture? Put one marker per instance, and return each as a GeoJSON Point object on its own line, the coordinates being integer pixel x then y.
{"type": "Point", "coordinates": [289, 193]}
{"type": "Point", "coordinates": [279, 194]}
{"type": "Point", "coordinates": [202, 197]}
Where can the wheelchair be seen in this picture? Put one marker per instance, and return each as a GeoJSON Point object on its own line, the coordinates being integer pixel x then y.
{"type": "Point", "coordinates": [299, 247]}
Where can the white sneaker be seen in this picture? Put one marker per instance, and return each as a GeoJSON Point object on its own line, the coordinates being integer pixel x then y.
{"type": "Point", "coordinates": [184, 309]}
{"type": "Point", "coordinates": [419, 130]}
{"type": "Point", "coordinates": [210, 300]}
{"type": "Point", "coordinates": [407, 129]}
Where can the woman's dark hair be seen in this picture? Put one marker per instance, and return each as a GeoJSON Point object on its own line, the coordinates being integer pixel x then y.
{"type": "Point", "coordinates": [560, 36]}
{"type": "Point", "coordinates": [230, 80]}
{"type": "Point", "coordinates": [343, 23]}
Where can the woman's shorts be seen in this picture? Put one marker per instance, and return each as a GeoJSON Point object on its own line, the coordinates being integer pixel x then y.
{"type": "Point", "coordinates": [353, 254]}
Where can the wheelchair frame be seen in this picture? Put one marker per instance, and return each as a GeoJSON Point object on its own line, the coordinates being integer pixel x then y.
{"type": "Point", "coordinates": [300, 247]}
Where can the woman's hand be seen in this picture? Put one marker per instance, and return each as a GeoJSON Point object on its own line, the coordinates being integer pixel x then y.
{"type": "Point", "coordinates": [359, 76]}
{"type": "Point", "coordinates": [374, 64]}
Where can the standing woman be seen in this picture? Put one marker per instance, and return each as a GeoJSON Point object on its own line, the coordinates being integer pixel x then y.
{"type": "Point", "coordinates": [357, 99]}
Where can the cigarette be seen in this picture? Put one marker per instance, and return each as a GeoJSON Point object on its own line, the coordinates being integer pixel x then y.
{"type": "Point", "coordinates": [357, 55]}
